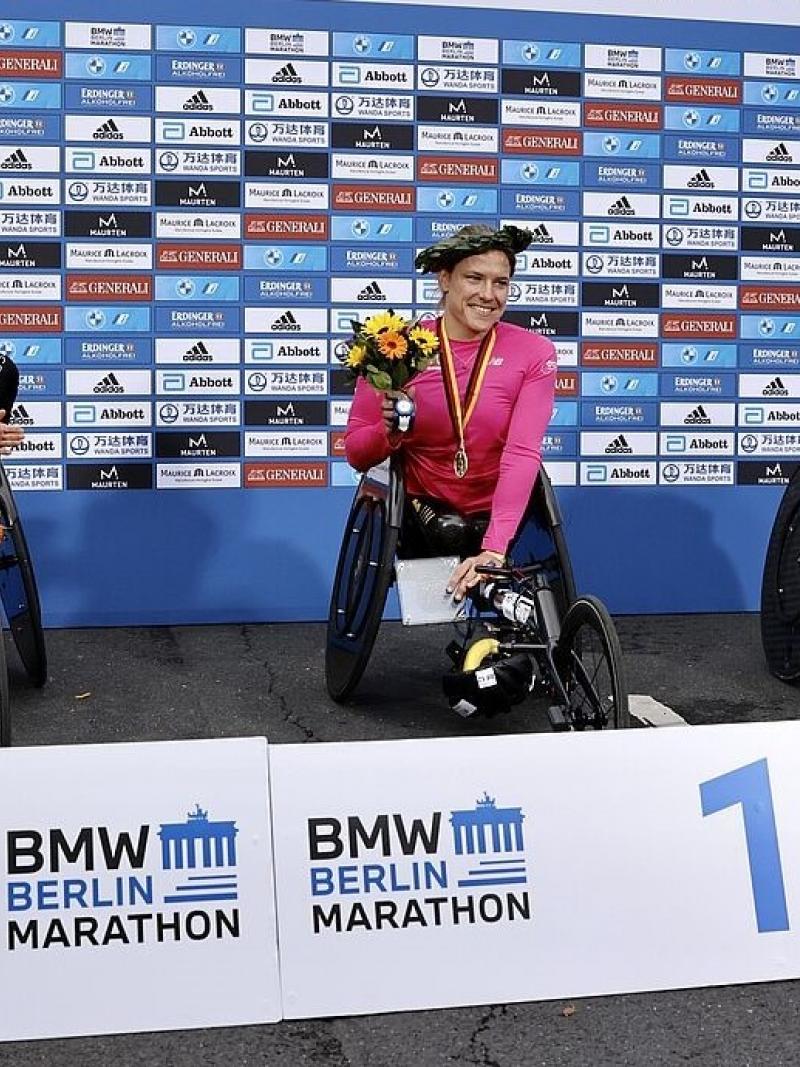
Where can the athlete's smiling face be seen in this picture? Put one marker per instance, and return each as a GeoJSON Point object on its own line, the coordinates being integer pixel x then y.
{"type": "Point", "coordinates": [475, 294]}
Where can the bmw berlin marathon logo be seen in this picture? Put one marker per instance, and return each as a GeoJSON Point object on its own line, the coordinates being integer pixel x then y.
{"type": "Point", "coordinates": [95, 887]}
{"type": "Point", "coordinates": [390, 873]}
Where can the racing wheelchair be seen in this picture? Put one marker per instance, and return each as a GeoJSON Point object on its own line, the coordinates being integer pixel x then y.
{"type": "Point", "coordinates": [527, 629]}
{"type": "Point", "coordinates": [780, 588]}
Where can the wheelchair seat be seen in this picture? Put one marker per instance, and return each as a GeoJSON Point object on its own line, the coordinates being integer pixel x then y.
{"type": "Point", "coordinates": [373, 538]}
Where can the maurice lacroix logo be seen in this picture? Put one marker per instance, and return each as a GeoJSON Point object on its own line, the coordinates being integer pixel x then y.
{"type": "Point", "coordinates": [395, 873]}
{"type": "Point", "coordinates": [97, 887]}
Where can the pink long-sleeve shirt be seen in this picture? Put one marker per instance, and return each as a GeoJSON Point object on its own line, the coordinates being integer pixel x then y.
{"type": "Point", "coordinates": [502, 439]}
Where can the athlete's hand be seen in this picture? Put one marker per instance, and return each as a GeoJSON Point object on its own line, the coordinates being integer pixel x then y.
{"type": "Point", "coordinates": [465, 576]}
{"type": "Point", "coordinates": [10, 436]}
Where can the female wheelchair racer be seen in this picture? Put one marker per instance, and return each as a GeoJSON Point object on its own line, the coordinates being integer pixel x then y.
{"type": "Point", "coordinates": [464, 443]}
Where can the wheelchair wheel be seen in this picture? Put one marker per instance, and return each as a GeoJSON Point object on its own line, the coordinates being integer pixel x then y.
{"type": "Point", "coordinates": [780, 589]}
{"type": "Point", "coordinates": [363, 575]}
{"type": "Point", "coordinates": [588, 659]}
{"type": "Point", "coordinates": [18, 591]}
{"type": "Point", "coordinates": [540, 539]}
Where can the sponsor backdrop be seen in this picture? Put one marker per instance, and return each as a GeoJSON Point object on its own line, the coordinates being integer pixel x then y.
{"type": "Point", "coordinates": [128, 908]}
{"type": "Point", "coordinates": [191, 214]}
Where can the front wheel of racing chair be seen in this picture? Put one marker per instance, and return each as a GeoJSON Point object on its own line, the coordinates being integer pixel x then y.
{"type": "Point", "coordinates": [365, 568]}
{"type": "Point", "coordinates": [780, 589]}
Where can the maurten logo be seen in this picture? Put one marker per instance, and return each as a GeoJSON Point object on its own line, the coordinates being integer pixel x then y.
{"type": "Point", "coordinates": [287, 75]}
{"type": "Point", "coordinates": [108, 131]}
{"type": "Point", "coordinates": [775, 388]}
{"type": "Point", "coordinates": [109, 384]}
{"type": "Point", "coordinates": [779, 154]}
{"type": "Point", "coordinates": [286, 322]}
{"type": "Point", "coordinates": [198, 102]}
{"type": "Point", "coordinates": [197, 354]}
{"type": "Point", "coordinates": [701, 180]}
{"type": "Point", "coordinates": [16, 161]}
{"type": "Point", "coordinates": [622, 207]}
{"type": "Point", "coordinates": [618, 447]}
{"type": "Point", "coordinates": [481, 877]}
{"type": "Point", "coordinates": [697, 417]}
{"type": "Point", "coordinates": [371, 292]}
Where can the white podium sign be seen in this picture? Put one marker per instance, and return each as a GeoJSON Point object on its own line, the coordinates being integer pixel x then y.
{"type": "Point", "coordinates": [137, 888]}
{"type": "Point", "coordinates": [422, 874]}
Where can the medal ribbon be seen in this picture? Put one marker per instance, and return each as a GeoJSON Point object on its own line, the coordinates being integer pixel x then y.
{"type": "Point", "coordinates": [460, 415]}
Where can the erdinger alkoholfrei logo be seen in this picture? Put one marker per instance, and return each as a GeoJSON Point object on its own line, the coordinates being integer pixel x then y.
{"type": "Point", "coordinates": [172, 881]}
{"type": "Point", "coordinates": [397, 873]}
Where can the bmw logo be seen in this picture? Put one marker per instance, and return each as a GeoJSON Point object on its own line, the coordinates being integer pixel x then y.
{"type": "Point", "coordinates": [185, 287]}
{"type": "Point", "coordinates": [689, 354]}
{"type": "Point", "coordinates": [769, 94]}
{"type": "Point", "coordinates": [766, 327]}
{"type": "Point", "coordinates": [445, 199]}
{"type": "Point", "coordinates": [6, 94]}
{"type": "Point", "coordinates": [186, 38]}
{"type": "Point", "coordinates": [360, 228]}
{"type": "Point", "coordinates": [691, 118]}
{"type": "Point", "coordinates": [6, 33]}
{"type": "Point", "coordinates": [611, 145]}
{"type": "Point", "coordinates": [362, 45]}
{"type": "Point", "coordinates": [692, 61]}
{"type": "Point", "coordinates": [96, 66]}
{"type": "Point", "coordinates": [529, 171]}
{"type": "Point", "coordinates": [608, 383]}
{"type": "Point", "coordinates": [95, 319]}
{"type": "Point", "coordinates": [273, 257]}
{"type": "Point", "coordinates": [7, 348]}
{"type": "Point", "coordinates": [530, 52]}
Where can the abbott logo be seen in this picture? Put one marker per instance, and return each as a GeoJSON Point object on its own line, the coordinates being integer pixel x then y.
{"type": "Point", "coordinates": [84, 414]}
{"type": "Point", "coordinates": [174, 382]}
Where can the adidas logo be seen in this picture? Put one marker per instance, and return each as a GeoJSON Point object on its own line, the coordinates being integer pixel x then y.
{"type": "Point", "coordinates": [20, 417]}
{"type": "Point", "coordinates": [16, 161]}
{"type": "Point", "coordinates": [621, 207]}
{"type": "Point", "coordinates": [286, 322]}
{"type": "Point", "coordinates": [775, 388]}
{"type": "Point", "coordinates": [109, 384]}
{"type": "Point", "coordinates": [619, 447]}
{"type": "Point", "coordinates": [698, 417]}
{"type": "Point", "coordinates": [371, 292]}
{"type": "Point", "coordinates": [701, 180]}
{"type": "Point", "coordinates": [287, 75]}
{"type": "Point", "coordinates": [779, 154]}
{"type": "Point", "coordinates": [542, 236]}
{"type": "Point", "coordinates": [198, 102]}
{"type": "Point", "coordinates": [197, 354]}
{"type": "Point", "coordinates": [108, 131]}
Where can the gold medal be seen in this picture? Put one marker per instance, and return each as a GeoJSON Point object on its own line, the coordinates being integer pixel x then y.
{"type": "Point", "coordinates": [461, 463]}
{"type": "Point", "coordinates": [460, 415]}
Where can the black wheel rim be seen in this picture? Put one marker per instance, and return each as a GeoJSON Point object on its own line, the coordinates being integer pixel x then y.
{"type": "Point", "coordinates": [18, 591]}
{"type": "Point", "coordinates": [588, 681]}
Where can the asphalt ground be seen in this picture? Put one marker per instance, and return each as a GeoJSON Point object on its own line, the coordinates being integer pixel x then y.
{"type": "Point", "coordinates": [145, 684]}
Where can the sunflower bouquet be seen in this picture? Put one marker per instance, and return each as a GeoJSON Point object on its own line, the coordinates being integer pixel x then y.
{"type": "Point", "coordinates": [388, 350]}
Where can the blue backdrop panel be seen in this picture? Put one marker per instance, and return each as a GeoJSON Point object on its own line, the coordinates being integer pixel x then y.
{"type": "Point", "coordinates": [559, 154]}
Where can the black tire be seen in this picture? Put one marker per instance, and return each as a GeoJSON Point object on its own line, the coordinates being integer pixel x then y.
{"type": "Point", "coordinates": [363, 576]}
{"type": "Point", "coordinates": [18, 590]}
{"type": "Point", "coordinates": [780, 589]}
{"type": "Point", "coordinates": [540, 539]}
{"type": "Point", "coordinates": [588, 659]}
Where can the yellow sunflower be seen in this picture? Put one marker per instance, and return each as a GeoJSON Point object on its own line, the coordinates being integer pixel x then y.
{"type": "Point", "coordinates": [425, 340]}
{"type": "Point", "coordinates": [382, 322]}
{"type": "Point", "coordinates": [355, 357]}
{"type": "Point", "coordinates": [392, 345]}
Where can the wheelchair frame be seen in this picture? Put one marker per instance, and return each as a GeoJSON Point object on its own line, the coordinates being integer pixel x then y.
{"type": "Point", "coordinates": [365, 571]}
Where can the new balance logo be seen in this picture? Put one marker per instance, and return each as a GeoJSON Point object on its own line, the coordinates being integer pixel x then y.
{"type": "Point", "coordinates": [108, 131]}
{"type": "Point", "coordinates": [16, 161]}
{"type": "Point", "coordinates": [701, 180]}
{"type": "Point", "coordinates": [371, 292]}
{"type": "Point", "coordinates": [619, 447]}
{"type": "Point", "coordinates": [285, 323]}
{"type": "Point", "coordinates": [197, 354]}
{"type": "Point", "coordinates": [775, 388]}
{"type": "Point", "coordinates": [622, 207]}
{"type": "Point", "coordinates": [198, 102]}
{"type": "Point", "coordinates": [542, 236]}
{"type": "Point", "coordinates": [698, 417]}
{"type": "Point", "coordinates": [287, 75]}
{"type": "Point", "coordinates": [779, 154]}
{"type": "Point", "coordinates": [109, 384]}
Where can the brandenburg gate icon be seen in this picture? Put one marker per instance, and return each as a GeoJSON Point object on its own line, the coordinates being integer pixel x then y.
{"type": "Point", "coordinates": [487, 828]}
{"type": "Point", "coordinates": [181, 841]}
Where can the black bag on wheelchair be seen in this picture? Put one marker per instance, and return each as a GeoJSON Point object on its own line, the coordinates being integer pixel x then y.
{"type": "Point", "coordinates": [433, 528]}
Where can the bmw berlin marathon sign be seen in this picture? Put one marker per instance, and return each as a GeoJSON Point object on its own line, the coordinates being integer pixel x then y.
{"type": "Point", "coordinates": [468, 867]}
